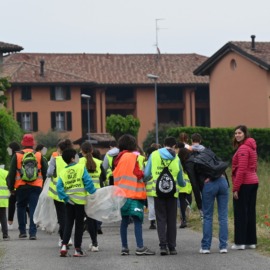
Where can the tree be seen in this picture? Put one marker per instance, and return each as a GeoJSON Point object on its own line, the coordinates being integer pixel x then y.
{"type": "Point", "coordinates": [118, 125]}
{"type": "Point", "coordinates": [50, 139]}
{"type": "Point", "coordinates": [4, 84]}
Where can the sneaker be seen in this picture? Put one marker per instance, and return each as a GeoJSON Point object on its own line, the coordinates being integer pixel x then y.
{"type": "Point", "coordinates": [22, 236]}
{"type": "Point", "coordinates": [183, 224]}
{"type": "Point", "coordinates": [250, 246]}
{"type": "Point", "coordinates": [32, 237]}
{"type": "Point", "coordinates": [223, 251]}
{"type": "Point", "coordinates": [10, 227]}
{"type": "Point", "coordinates": [204, 251]}
{"type": "Point", "coordinates": [6, 237]}
{"type": "Point", "coordinates": [164, 251]}
{"type": "Point", "coordinates": [63, 251]}
{"type": "Point", "coordinates": [153, 225]}
{"type": "Point", "coordinates": [238, 247]}
{"type": "Point", "coordinates": [144, 251]}
{"type": "Point", "coordinates": [70, 242]}
{"type": "Point", "coordinates": [60, 242]}
{"type": "Point", "coordinates": [79, 253]}
{"type": "Point", "coordinates": [125, 251]}
{"type": "Point", "coordinates": [173, 251]}
{"type": "Point", "coordinates": [93, 248]}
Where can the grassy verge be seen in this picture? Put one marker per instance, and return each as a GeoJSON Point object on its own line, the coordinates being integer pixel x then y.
{"type": "Point", "coordinates": [263, 212]}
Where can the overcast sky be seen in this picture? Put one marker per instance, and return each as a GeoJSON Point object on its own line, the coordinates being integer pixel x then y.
{"type": "Point", "coordinates": [125, 26]}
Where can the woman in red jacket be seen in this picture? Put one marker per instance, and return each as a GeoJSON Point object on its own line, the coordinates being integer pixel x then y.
{"type": "Point", "coordinates": [245, 185]}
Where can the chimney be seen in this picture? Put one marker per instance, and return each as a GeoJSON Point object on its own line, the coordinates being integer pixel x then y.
{"type": "Point", "coordinates": [253, 42]}
{"type": "Point", "coordinates": [42, 62]}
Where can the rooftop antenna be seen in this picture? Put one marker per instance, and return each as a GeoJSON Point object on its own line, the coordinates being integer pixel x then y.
{"type": "Point", "coordinates": [157, 29]}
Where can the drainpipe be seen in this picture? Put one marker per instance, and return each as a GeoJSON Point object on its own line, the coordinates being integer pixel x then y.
{"type": "Point", "coordinates": [42, 63]}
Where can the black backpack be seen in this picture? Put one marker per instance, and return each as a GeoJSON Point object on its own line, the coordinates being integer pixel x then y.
{"type": "Point", "coordinates": [165, 185]}
{"type": "Point", "coordinates": [209, 165]}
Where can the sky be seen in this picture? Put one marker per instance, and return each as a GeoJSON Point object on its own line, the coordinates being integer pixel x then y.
{"type": "Point", "coordinates": [125, 26]}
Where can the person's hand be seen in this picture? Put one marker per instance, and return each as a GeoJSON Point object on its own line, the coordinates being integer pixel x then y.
{"type": "Point", "coordinates": [93, 196]}
{"type": "Point", "coordinates": [235, 195]}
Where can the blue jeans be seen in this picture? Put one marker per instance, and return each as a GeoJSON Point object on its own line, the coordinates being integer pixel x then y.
{"type": "Point", "coordinates": [27, 197]}
{"type": "Point", "coordinates": [137, 230]}
{"type": "Point", "coordinates": [218, 189]}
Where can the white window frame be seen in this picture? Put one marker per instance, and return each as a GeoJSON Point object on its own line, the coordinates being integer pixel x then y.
{"type": "Point", "coordinates": [60, 121]}
{"type": "Point", "coordinates": [27, 121]}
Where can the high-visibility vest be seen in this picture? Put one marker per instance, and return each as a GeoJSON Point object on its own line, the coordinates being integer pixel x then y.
{"type": "Point", "coordinates": [73, 183]}
{"type": "Point", "coordinates": [188, 188]}
{"type": "Point", "coordinates": [126, 179]}
{"type": "Point", "coordinates": [4, 192]}
{"type": "Point", "coordinates": [141, 160]}
{"type": "Point", "coordinates": [157, 168]}
{"type": "Point", "coordinates": [60, 164]}
{"type": "Point", "coordinates": [18, 180]}
{"type": "Point", "coordinates": [150, 188]}
{"type": "Point", "coordinates": [96, 174]}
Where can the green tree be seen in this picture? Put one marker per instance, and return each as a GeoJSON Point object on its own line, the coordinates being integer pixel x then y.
{"type": "Point", "coordinates": [9, 131]}
{"type": "Point", "coordinates": [4, 85]}
{"type": "Point", "coordinates": [118, 125]}
{"type": "Point", "coordinates": [50, 139]}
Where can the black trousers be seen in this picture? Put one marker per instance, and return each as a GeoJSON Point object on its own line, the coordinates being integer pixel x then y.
{"type": "Point", "coordinates": [11, 207]}
{"type": "Point", "coordinates": [245, 215]}
{"type": "Point", "coordinates": [184, 200]}
{"type": "Point", "coordinates": [166, 214]}
{"type": "Point", "coordinates": [74, 213]}
{"type": "Point", "coordinates": [60, 208]}
{"type": "Point", "coordinates": [92, 229]}
{"type": "Point", "coordinates": [3, 220]}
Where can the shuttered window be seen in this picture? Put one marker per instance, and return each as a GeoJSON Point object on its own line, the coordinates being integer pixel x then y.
{"type": "Point", "coordinates": [61, 121]}
{"type": "Point", "coordinates": [28, 120]}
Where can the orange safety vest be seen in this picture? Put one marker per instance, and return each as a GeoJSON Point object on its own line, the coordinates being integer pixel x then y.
{"type": "Point", "coordinates": [55, 154]}
{"type": "Point", "coordinates": [19, 181]}
{"type": "Point", "coordinates": [127, 180]}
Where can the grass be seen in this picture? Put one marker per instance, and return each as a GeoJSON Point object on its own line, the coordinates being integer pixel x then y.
{"type": "Point", "coordinates": [262, 208]}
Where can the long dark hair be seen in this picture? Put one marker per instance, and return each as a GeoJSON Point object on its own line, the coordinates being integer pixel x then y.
{"type": "Point", "coordinates": [184, 154]}
{"type": "Point", "coordinates": [244, 129]}
{"type": "Point", "coordinates": [87, 149]}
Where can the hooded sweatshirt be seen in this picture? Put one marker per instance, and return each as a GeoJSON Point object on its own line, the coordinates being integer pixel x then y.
{"type": "Point", "coordinates": [244, 165]}
{"type": "Point", "coordinates": [168, 154]}
{"type": "Point", "coordinates": [113, 153]}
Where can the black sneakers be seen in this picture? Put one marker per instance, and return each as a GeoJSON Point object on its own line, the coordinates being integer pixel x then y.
{"type": "Point", "coordinates": [22, 236]}
{"type": "Point", "coordinates": [79, 253]}
{"type": "Point", "coordinates": [125, 251]}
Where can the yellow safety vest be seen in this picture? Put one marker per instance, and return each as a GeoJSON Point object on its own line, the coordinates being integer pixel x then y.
{"type": "Point", "coordinates": [188, 188]}
{"type": "Point", "coordinates": [73, 183]}
{"type": "Point", "coordinates": [4, 192]}
{"type": "Point", "coordinates": [96, 174]}
{"type": "Point", "coordinates": [150, 188]}
{"type": "Point", "coordinates": [141, 160]}
{"type": "Point", "coordinates": [60, 164]}
{"type": "Point", "coordinates": [157, 168]}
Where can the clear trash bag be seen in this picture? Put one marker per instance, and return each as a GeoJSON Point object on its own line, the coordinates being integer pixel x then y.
{"type": "Point", "coordinates": [105, 204]}
{"type": "Point", "coordinates": [45, 213]}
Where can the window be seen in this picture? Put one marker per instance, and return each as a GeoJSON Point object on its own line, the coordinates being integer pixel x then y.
{"type": "Point", "coordinates": [28, 120]}
{"type": "Point", "coordinates": [61, 121]}
{"type": "Point", "coordinates": [26, 93]}
{"type": "Point", "coordinates": [60, 93]}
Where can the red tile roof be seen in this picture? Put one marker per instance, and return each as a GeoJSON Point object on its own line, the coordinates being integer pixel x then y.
{"type": "Point", "coordinates": [107, 69]}
{"type": "Point", "coordinates": [260, 55]}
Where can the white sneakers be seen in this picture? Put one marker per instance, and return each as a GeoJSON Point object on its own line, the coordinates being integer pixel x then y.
{"type": "Point", "coordinates": [238, 247]}
{"type": "Point", "coordinates": [60, 242]}
{"type": "Point", "coordinates": [204, 251]}
{"type": "Point", "coordinates": [242, 247]}
{"type": "Point", "coordinates": [93, 248]}
{"type": "Point", "coordinates": [223, 251]}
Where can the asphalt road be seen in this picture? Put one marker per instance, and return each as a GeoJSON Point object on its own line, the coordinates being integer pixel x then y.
{"type": "Point", "coordinates": [43, 253]}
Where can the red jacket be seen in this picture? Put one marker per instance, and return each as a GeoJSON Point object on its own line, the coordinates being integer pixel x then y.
{"type": "Point", "coordinates": [244, 165]}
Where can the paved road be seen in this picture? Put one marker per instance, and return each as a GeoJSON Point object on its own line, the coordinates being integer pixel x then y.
{"type": "Point", "coordinates": [43, 254]}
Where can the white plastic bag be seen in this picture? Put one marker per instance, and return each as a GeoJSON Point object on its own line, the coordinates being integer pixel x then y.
{"type": "Point", "coordinates": [45, 213]}
{"type": "Point", "coordinates": [105, 204]}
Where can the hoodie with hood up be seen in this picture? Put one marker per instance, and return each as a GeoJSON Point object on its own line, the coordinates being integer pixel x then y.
{"type": "Point", "coordinates": [113, 153]}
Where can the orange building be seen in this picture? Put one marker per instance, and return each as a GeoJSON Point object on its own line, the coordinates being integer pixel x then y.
{"type": "Point", "coordinates": [239, 75]}
{"type": "Point", "coordinates": [46, 90]}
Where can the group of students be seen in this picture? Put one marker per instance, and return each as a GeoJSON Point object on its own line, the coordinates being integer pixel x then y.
{"type": "Point", "coordinates": [73, 177]}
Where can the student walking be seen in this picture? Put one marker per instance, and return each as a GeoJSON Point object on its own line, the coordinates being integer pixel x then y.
{"type": "Point", "coordinates": [27, 192]}
{"type": "Point", "coordinates": [129, 177]}
{"type": "Point", "coordinates": [166, 207]}
{"type": "Point", "coordinates": [73, 184]}
{"type": "Point", "coordinates": [4, 196]}
{"type": "Point", "coordinates": [98, 175]}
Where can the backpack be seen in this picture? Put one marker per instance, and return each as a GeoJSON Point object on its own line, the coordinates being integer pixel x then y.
{"type": "Point", "coordinates": [165, 185]}
{"type": "Point", "coordinates": [209, 165]}
{"type": "Point", "coordinates": [29, 170]}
